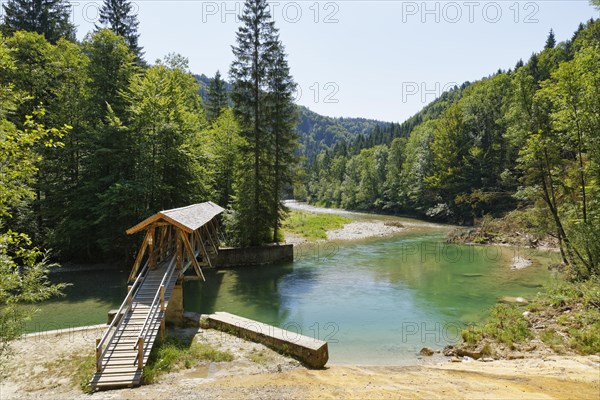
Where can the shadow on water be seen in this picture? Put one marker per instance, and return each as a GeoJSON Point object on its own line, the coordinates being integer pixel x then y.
{"type": "Point", "coordinates": [252, 292]}
{"type": "Point", "coordinates": [86, 300]}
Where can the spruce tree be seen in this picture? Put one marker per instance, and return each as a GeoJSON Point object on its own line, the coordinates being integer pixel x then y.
{"type": "Point", "coordinates": [118, 16]}
{"type": "Point", "coordinates": [46, 17]}
{"type": "Point", "coordinates": [283, 118]}
{"type": "Point", "coordinates": [551, 40]}
{"type": "Point", "coordinates": [519, 64]}
{"type": "Point", "coordinates": [257, 41]}
{"type": "Point", "coordinates": [217, 98]}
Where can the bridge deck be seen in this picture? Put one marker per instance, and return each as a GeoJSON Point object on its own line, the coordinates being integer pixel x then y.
{"type": "Point", "coordinates": [120, 360]}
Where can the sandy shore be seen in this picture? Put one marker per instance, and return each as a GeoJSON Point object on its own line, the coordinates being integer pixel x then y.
{"type": "Point", "coordinates": [369, 226]}
{"type": "Point", "coordinates": [40, 369]}
{"type": "Point", "coordinates": [364, 230]}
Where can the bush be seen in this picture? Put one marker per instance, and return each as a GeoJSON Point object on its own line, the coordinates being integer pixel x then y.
{"type": "Point", "coordinates": [506, 325]}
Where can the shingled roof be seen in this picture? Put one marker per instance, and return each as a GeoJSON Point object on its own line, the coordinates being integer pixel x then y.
{"type": "Point", "coordinates": [188, 218]}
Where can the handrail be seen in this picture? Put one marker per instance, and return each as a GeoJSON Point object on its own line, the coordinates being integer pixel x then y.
{"type": "Point", "coordinates": [128, 298]}
{"type": "Point", "coordinates": [169, 273]}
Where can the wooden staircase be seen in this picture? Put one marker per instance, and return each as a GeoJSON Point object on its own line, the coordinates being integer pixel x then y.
{"type": "Point", "coordinates": [124, 349]}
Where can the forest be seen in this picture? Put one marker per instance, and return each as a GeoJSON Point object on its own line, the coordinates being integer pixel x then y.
{"type": "Point", "coordinates": [96, 139]}
{"type": "Point", "coordinates": [523, 142]}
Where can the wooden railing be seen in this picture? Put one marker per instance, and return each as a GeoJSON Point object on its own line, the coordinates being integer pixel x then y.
{"type": "Point", "coordinates": [118, 318]}
{"type": "Point", "coordinates": [158, 304]}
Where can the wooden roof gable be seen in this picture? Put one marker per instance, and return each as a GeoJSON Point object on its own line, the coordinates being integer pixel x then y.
{"type": "Point", "coordinates": [188, 218]}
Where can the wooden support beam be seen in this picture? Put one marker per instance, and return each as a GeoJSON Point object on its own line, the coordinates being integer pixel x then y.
{"type": "Point", "coordinates": [211, 239]}
{"type": "Point", "coordinates": [213, 225]}
{"type": "Point", "coordinates": [203, 249]}
{"type": "Point", "coordinates": [163, 245]}
{"type": "Point", "coordinates": [151, 244]}
{"type": "Point", "coordinates": [138, 259]}
{"type": "Point", "coordinates": [192, 256]}
{"type": "Point", "coordinates": [179, 250]}
{"type": "Point", "coordinates": [140, 354]}
{"type": "Point", "coordinates": [193, 243]}
{"type": "Point", "coordinates": [98, 356]}
{"type": "Point", "coordinates": [162, 328]}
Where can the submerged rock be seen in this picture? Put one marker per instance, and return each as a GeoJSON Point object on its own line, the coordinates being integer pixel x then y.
{"type": "Point", "coordinates": [513, 300]}
{"type": "Point", "coordinates": [472, 275]}
{"type": "Point", "coordinates": [519, 262]}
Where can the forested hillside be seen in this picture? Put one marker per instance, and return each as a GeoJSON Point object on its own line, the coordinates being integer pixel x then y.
{"type": "Point", "coordinates": [110, 139]}
{"type": "Point", "coordinates": [318, 133]}
{"type": "Point", "coordinates": [526, 139]}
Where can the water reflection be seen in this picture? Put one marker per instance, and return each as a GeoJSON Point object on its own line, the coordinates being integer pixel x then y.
{"type": "Point", "coordinates": [374, 302]}
{"type": "Point", "coordinates": [252, 292]}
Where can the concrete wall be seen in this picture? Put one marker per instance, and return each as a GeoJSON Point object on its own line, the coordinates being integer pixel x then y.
{"type": "Point", "coordinates": [228, 258]}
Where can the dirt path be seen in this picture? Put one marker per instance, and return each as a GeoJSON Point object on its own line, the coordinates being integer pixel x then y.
{"type": "Point", "coordinates": [45, 367]}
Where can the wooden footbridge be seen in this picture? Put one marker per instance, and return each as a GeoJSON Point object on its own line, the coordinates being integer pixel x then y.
{"type": "Point", "coordinates": [176, 241]}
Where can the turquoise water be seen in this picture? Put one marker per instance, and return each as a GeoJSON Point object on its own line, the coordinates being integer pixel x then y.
{"type": "Point", "coordinates": [375, 302]}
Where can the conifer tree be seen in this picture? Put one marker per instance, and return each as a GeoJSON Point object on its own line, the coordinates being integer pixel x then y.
{"type": "Point", "coordinates": [283, 118]}
{"type": "Point", "coordinates": [551, 40]}
{"type": "Point", "coordinates": [46, 17]}
{"type": "Point", "coordinates": [118, 16]}
{"type": "Point", "coordinates": [217, 98]}
{"type": "Point", "coordinates": [256, 43]}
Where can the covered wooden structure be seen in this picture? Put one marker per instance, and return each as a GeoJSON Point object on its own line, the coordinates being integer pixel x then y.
{"type": "Point", "coordinates": [173, 242]}
{"type": "Point", "coordinates": [186, 232]}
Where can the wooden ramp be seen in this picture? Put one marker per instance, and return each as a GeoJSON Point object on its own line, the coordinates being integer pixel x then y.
{"type": "Point", "coordinates": [124, 349]}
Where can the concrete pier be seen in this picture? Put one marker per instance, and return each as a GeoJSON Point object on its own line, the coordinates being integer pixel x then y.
{"type": "Point", "coordinates": [311, 352]}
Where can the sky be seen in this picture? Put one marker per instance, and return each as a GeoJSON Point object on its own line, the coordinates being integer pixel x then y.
{"type": "Point", "coordinates": [383, 60]}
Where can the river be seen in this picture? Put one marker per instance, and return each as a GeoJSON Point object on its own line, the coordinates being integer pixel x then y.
{"type": "Point", "coordinates": [376, 301]}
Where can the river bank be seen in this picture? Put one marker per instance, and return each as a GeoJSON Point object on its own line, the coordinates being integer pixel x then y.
{"type": "Point", "coordinates": [43, 366]}
{"type": "Point", "coordinates": [360, 226]}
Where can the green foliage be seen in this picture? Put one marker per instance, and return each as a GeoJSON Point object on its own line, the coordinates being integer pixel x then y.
{"type": "Point", "coordinates": [553, 339]}
{"type": "Point", "coordinates": [224, 153]}
{"type": "Point", "coordinates": [506, 324]}
{"type": "Point", "coordinates": [174, 354]}
{"type": "Point", "coordinates": [262, 99]}
{"type": "Point", "coordinates": [82, 368]}
{"type": "Point", "coordinates": [576, 310]}
{"type": "Point", "coordinates": [117, 15]}
{"type": "Point", "coordinates": [217, 98]}
{"type": "Point", "coordinates": [50, 18]}
{"type": "Point", "coordinates": [165, 115]}
{"type": "Point", "coordinates": [522, 139]}
{"type": "Point", "coordinates": [313, 226]}
{"type": "Point", "coordinates": [23, 267]}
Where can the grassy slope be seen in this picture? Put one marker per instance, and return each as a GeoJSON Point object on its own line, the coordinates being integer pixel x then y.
{"type": "Point", "coordinates": [313, 226]}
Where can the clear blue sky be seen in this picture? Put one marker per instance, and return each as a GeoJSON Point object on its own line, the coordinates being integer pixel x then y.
{"type": "Point", "coordinates": [372, 59]}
